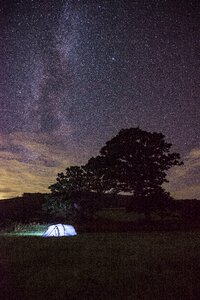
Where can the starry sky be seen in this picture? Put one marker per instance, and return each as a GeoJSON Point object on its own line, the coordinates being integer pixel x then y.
{"type": "Point", "coordinates": [74, 72]}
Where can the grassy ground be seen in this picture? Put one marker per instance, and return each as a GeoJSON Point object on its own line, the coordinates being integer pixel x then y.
{"type": "Point", "coordinates": [101, 266]}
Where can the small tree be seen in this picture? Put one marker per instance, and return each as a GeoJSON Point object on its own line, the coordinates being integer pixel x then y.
{"type": "Point", "coordinates": [74, 180]}
{"type": "Point", "coordinates": [65, 194]}
{"type": "Point", "coordinates": [70, 195]}
{"type": "Point", "coordinates": [59, 207]}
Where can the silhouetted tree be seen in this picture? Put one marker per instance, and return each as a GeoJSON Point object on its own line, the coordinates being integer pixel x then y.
{"type": "Point", "coordinates": [134, 161]}
{"type": "Point", "coordinates": [137, 162]}
{"type": "Point", "coordinates": [59, 207]}
{"type": "Point", "coordinates": [69, 195]}
{"type": "Point", "coordinates": [74, 180]}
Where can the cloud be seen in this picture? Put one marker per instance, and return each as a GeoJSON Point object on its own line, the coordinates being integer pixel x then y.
{"type": "Point", "coordinates": [194, 153]}
{"type": "Point", "coordinates": [188, 192]}
{"type": "Point", "coordinates": [7, 190]}
{"type": "Point", "coordinates": [184, 181]}
{"type": "Point", "coordinates": [191, 163]}
{"type": "Point", "coordinates": [30, 162]}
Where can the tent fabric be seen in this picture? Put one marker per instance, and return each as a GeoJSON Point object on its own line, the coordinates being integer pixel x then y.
{"type": "Point", "coordinates": [60, 230]}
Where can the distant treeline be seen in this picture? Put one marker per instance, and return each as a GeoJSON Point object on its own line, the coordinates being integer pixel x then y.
{"type": "Point", "coordinates": [29, 207]}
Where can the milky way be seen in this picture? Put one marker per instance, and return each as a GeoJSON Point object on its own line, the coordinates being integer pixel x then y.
{"type": "Point", "coordinates": [73, 73]}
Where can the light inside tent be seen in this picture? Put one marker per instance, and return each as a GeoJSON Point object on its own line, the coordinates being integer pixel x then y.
{"type": "Point", "coordinates": [60, 230]}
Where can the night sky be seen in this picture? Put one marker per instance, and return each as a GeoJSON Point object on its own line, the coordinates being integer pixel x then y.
{"type": "Point", "coordinates": [73, 73]}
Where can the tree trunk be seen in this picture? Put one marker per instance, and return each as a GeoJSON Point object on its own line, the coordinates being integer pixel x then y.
{"type": "Point", "coordinates": [147, 215]}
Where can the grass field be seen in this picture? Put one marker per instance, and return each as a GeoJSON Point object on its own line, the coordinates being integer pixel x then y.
{"type": "Point", "coordinates": [101, 266]}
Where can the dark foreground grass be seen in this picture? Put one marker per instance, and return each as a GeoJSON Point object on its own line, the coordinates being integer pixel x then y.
{"type": "Point", "coordinates": [101, 266]}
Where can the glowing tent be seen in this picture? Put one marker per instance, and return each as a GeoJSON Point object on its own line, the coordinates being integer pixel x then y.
{"type": "Point", "coordinates": [60, 230]}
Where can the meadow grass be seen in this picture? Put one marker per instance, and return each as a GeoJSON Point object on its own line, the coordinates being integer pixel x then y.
{"type": "Point", "coordinates": [101, 266]}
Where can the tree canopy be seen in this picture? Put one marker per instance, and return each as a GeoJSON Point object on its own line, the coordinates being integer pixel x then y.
{"type": "Point", "coordinates": [139, 160]}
